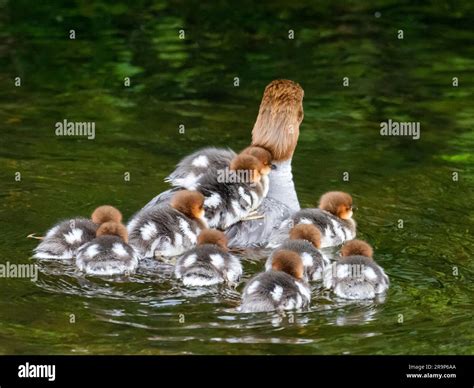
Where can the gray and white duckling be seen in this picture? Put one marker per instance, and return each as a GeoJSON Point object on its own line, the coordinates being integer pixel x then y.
{"type": "Point", "coordinates": [265, 157]}
{"type": "Point", "coordinates": [63, 239]}
{"type": "Point", "coordinates": [282, 288]}
{"type": "Point", "coordinates": [109, 253]}
{"type": "Point", "coordinates": [209, 263]}
{"type": "Point", "coordinates": [168, 230]}
{"type": "Point", "coordinates": [333, 218]}
{"type": "Point", "coordinates": [356, 275]}
{"type": "Point", "coordinates": [234, 193]}
{"type": "Point", "coordinates": [305, 240]}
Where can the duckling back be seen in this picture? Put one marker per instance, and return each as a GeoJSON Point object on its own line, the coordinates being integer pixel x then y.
{"type": "Point", "coordinates": [107, 255]}
{"type": "Point", "coordinates": [274, 290]}
{"type": "Point", "coordinates": [207, 265]}
{"type": "Point", "coordinates": [63, 240]}
{"type": "Point", "coordinates": [192, 168]}
{"type": "Point", "coordinates": [162, 231]}
{"type": "Point", "coordinates": [315, 263]}
{"type": "Point", "coordinates": [357, 277]}
{"type": "Point", "coordinates": [334, 230]}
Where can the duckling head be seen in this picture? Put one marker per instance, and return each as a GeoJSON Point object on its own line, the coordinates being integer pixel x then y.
{"type": "Point", "coordinates": [278, 123]}
{"type": "Point", "coordinates": [337, 203]}
{"type": "Point", "coordinates": [289, 262]}
{"type": "Point", "coordinates": [357, 248]}
{"type": "Point", "coordinates": [248, 165]}
{"type": "Point", "coordinates": [112, 228]}
{"type": "Point", "coordinates": [106, 213]}
{"type": "Point", "coordinates": [213, 236]}
{"type": "Point", "coordinates": [263, 155]}
{"type": "Point", "coordinates": [307, 232]}
{"type": "Point", "coordinates": [190, 203]}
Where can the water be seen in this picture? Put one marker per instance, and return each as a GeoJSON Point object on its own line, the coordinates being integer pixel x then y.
{"type": "Point", "coordinates": [428, 309]}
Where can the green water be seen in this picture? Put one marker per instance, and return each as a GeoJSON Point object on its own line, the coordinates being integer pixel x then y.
{"type": "Point", "coordinates": [429, 307]}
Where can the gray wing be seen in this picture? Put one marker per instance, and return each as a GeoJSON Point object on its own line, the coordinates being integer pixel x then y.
{"type": "Point", "coordinates": [187, 174]}
{"type": "Point", "coordinates": [162, 198]}
{"type": "Point", "coordinates": [191, 168]}
{"type": "Point", "coordinates": [257, 233]}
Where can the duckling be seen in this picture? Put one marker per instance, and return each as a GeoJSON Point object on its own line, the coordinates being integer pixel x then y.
{"type": "Point", "coordinates": [305, 240]}
{"type": "Point", "coordinates": [168, 230]}
{"type": "Point", "coordinates": [209, 263]}
{"type": "Point", "coordinates": [193, 167]}
{"type": "Point", "coordinates": [265, 157]}
{"type": "Point", "coordinates": [281, 288]}
{"type": "Point", "coordinates": [356, 275]}
{"type": "Point", "coordinates": [109, 253]}
{"type": "Point", "coordinates": [333, 218]}
{"type": "Point", "coordinates": [234, 193]}
{"type": "Point", "coordinates": [63, 240]}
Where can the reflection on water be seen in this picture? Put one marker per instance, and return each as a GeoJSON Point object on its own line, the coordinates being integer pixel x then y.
{"type": "Point", "coordinates": [428, 308]}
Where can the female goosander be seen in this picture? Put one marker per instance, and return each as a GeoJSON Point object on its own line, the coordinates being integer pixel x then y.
{"type": "Point", "coordinates": [168, 230]}
{"type": "Point", "coordinates": [209, 263]}
{"type": "Point", "coordinates": [276, 130]}
{"type": "Point", "coordinates": [356, 275]}
{"type": "Point", "coordinates": [333, 218]}
{"type": "Point", "coordinates": [63, 239]}
{"type": "Point", "coordinates": [305, 240]}
{"type": "Point", "coordinates": [109, 253]}
{"type": "Point", "coordinates": [281, 288]}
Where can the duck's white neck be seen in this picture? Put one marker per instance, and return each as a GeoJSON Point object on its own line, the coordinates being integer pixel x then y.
{"type": "Point", "coordinates": [282, 187]}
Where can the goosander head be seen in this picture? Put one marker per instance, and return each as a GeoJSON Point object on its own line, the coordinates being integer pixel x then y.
{"type": "Point", "coordinates": [263, 155]}
{"type": "Point", "coordinates": [106, 213]}
{"type": "Point", "coordinates": [289, 262]}
{"type": "Point", "coordinates": [190, 203]}
{"type": "Point", "coordinates": [213, 236]}
{"type": "Point", "coordinates": [307, 232]}
{"type": "Point", "coordinates": [337, 203]}
{"type": "Point", "coordinates": [113, 228]}
{"type": "Point", "coordinates": [357, 248]}
{"type": "Point", "coordinates": [250, 164]}
{"type": "Point", "coordinates": [278, 123]}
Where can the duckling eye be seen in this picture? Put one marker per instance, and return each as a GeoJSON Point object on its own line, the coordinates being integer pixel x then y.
{"type": "Point", "coordinates": [274, 167]}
